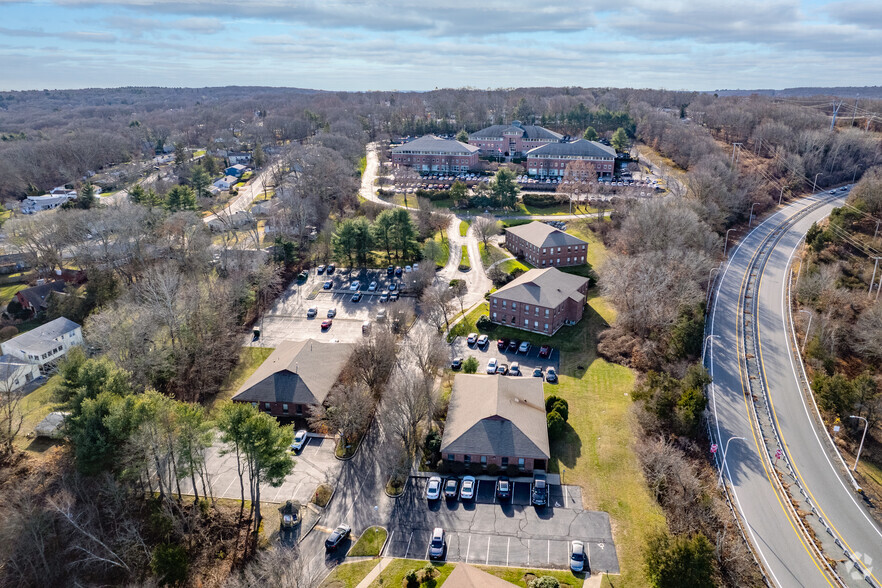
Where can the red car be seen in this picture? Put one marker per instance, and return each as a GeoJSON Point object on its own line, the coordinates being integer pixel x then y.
{"type": "Point", "coordinates": [326, 324]}
{"type": "Point", "coordinates": [544, 351]}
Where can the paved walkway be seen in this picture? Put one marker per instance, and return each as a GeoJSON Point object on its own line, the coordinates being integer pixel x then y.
{"type": "Point", "coordinates": [375, 573]}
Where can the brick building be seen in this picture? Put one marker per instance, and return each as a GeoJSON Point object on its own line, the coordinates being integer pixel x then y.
{"type": "Point", "coordinates": [545, 246]}
{"type": "Point", "coordinates": [434, 154]}
{"type": "Point", "coordinates": [496, 420]}
{"type": "Point", "coordinates": [296, 375]}
{"type": "Point", "coordinates": [552, 159]}
{"type": "Point", "coordinates": [541, 301]}
{"type": "Point", "coordinates": [513, 140]}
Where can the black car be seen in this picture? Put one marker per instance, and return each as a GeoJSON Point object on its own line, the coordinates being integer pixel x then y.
{"type": "Point", "coordinates": [337, 536]}
{"type": "Point", "coordinates": [331, 268]}
{"type": "Point", "coordinates": [513, 345]}
{"type": "Point", "coordinates": [456, 363]}
{"type": "Point", "coordinates": [390, 270]}
{"type": "Point", "coordinates": [398, 271]}
{"type": "Point", "coordinates": [451, 488]}
{"type": "Point", "coordinates": [539, 496]}
{"type": "Point", "coordinates": [502, 344]}
{"type": "Point", "coordinates": [503, 488]}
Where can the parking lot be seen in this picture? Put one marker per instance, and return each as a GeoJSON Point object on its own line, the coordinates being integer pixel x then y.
{"type": "Point", "coordinates": [314, 465]}
{"type": "Point", "coordinates": [513, 533]}
{"type": "Point", "coordinates": [528, 362]}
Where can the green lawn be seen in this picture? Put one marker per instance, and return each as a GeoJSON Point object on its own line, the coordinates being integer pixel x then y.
{"type": "Point", "coordinates": [393, 575]}
{"type": "Point", "coordinates": [250, 359]}
{"type": "Point", "coordinates": [597, 450]}
{"type": "Point", "coordinates": [463, 228]}
{"type": "Point", "coordinates": [520, 576]}
{"type": "Point", "coordinates": [348, 575]}
{"type": "Point", "coordinates": [198, 152]}
{"type": "Point", "coordinates": [362, 165]}
{"type": "Point", "coordinates": [464, 264]}
{"type": "Point", "coordinates": [511, 265]}
{"type": "Point", "coordinates": [370, 543]}
{"type": "Point", "coordinates": [7, 292]}
{"type": "Point", "coordinates": [444, 253]}
{"type": "Point", "coordinates": [597, 253]}
{"type": "Point", "coordinates": [36, 405]}
{"type": "Point", "coordinates": [491, 254]}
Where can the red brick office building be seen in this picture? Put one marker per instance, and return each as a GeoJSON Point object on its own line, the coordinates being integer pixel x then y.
{"type": "Point", "coordinates": [540, 301]}
{"type": "Point", "coordinates": [513, 140]}
{"type": "Point", "coordinates": [433, 154]}
{"type": "Point", "coordinates": [551, 160]}
{"type": "Point", "coordinates": [545, 246]}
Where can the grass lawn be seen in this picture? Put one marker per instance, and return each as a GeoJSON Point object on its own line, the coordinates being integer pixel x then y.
{"type": "Point", "coordinates": [597, 253]}
{"type": "Point", "coordinates": [199, 152]}
{"type": "Point", "coordinates": [362, 165]}
{"type": "Point", "coordinates": [348, 575]}
{"type": "Point", "coordinates": [250, 359]}
{"type": "Point", "coordinates": [463, 228]}
{"type": "Point", "coordinates": [7, 292]}
{"type": "Point", "coordinates": [597, 450]}
{"type": "Point", "coordinates": [464, 264]}
{"type": "Point", "coordinates": [394, 573]}
{"type": "Point", "coordinates": [550, 210]}
{"type": "Point", "coordinates": [35, 406]}
{"type": "Point", "coordinates": [444, 253]}
{"type": "Point", "coordinates": [490, 254]}
{"type": "Point", "coordinates": [370, 543]}
{"type": "Point", "coordinates": [521, 576]}
{"type": "Point", "coordinates": [511, 265]}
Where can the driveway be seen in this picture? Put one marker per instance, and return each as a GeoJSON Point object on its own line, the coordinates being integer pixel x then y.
{"type": "Point", "coordinates": [511, 534]}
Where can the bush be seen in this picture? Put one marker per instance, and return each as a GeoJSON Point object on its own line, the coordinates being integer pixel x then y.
{"type": "Point", "coordinates": [545, 582]}
{"type": "Point", "coordinates": [512, 470]}
{"type": "Point", "coordinates": [552, 400]}
{"type": "Point", "coordinates": [8, 332]}
{"type": "Point", "coordinates": [169, 564]}
{"type": "Point", "coordinates": [683, 562]}
{"type": "Point", "coordinates": [470, 365]}
{"type": "Point", "coordinates": [476, 469]}
{"type": "Point", "coordinates": [492, 469]}
{"type": "Point", "coordinates": [456, 467]}
{"type": "Point", "coordinates": [541, 200]}
{"type": "Point", "coordinates": [484, 323]}
{"type": "Point", "coordinates": [556, 424]}
{"type": "Point", "coordinates": [432, 445]}
{"type": "Point", "coordinates": [562, 408]}
{"type": "Point", "coordinates": [411, 579]}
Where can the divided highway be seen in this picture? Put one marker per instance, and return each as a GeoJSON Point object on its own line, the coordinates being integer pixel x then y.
{"type": "Point", "coordinates": [799, 510]}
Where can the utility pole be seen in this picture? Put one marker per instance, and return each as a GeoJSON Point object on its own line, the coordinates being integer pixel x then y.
{"type": "Point", "coordinates": [735, 147]}
{"type": "Point", "coordinates": [854, 114]}
{"type": "Point", "coordinates": [815, 185]}
{"type": "Point", "coordinates": [866, 424]}
{"type": "Point", "coordinates": [873, 279]}
{"type": "Point", "coordinates": [835, 112]}
{"type": "Point", "coordinates": [781, 195]}
{"type": "Point", "coordinates": [750, 216]}
{"type": "Point", "coordinates": [807, 329]}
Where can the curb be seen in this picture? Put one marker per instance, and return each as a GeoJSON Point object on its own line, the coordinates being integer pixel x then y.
{"type": "Point", "coordinates": [360, 443]}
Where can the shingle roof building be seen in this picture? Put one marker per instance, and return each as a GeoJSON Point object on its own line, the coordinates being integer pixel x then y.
{"type": "Point", "coordinates": [516, 129]}
{"type": "Point", "coordinates": [468, 576]}
{"type": "Point", "coordinates": [432, 145]}
{"type": "Point", "coordinates": [543, 235]}
{"type": "Point", "coordinates": [36, 298]}
{"type": "Point", "coordinates": [577, 148]}
{"type": "Point", "coordinates": [546, 288]}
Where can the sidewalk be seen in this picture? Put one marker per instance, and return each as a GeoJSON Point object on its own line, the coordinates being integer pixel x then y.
{"type": "Point", "coordinates": [375, 573]}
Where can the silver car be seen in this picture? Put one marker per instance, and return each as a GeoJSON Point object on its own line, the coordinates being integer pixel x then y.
{"type": "Point", "coordinates": [436, 545]}
{"type": "Point", "coordinates": [433, 490]}
{"type": "Point", "coordinates": [578, 559]}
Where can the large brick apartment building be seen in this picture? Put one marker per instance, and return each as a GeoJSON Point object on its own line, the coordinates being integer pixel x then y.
{"type": "Point", "coordinates": [541, 301]}
{"type": "Point", "coordinates": [434, 154]}
{"type": "Point", "coordinates": [513, 140]}
{"type": "Point", "coordinates": [552, 159]}
{"type": "Point", "coordinates": [545, 246]}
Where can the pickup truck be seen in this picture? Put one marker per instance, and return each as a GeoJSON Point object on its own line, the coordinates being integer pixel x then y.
{"type": "Point", "coordinates": [539, 496]}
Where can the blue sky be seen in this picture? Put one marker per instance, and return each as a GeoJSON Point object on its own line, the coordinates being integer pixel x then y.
{"type": "Point", "coordinates": [421, 45]}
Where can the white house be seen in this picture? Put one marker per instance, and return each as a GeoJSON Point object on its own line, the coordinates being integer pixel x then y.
{"type": "Point", "coordinates": [33, 204]}
{"type": "Point", "coordinates": [45, 345]}
{"type": "Point", "coordinates": [15, 373]}
{"type": "Point", "coordinates": [226, 182]}
{"type": "Point", "coordinates": [239, 157]}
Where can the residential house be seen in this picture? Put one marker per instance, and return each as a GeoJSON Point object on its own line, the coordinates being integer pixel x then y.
{"type": "Point", "coordinates": [513, 140]}
{"type": "Point", "coordinates": [12, 263]}
{"type": "Point", "coordinates": [226, 182]}
{"type": "Point", "coordinates": [33, 204]}
{"type": "Point", "coordinates": [236, 170]}
{"type": "Point", "coordinates": [46, 344]}
{"type": "Point", "coordinates": [552, 159]}
{"type": "Point", "coordinates": [295, 376]}
{"type": "Point", "coordinates": [545, 246]}
{"type": "Point", "coordinates": [15, 373]}
{"type": "Point", "coordinates": [434, 154]}
{"type": "Point", "coordinates": [36, 298]}
{"type": "Point", "coordinates": [540, 300]}
{"type": "Point", "coordinates": [496, 420]}
{"type": "Point", "coordinates": [239, 157]}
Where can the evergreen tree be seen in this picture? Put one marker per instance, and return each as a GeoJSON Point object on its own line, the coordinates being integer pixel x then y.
{"type": "Point", "coordinates": [590, 134]}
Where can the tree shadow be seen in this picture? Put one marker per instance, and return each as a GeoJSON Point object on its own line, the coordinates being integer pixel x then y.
{"type": "Point", "coordinates": [566, 449]}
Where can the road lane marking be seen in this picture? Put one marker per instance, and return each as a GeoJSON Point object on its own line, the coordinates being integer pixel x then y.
{"type": "Point", "coordinates": [468, 548]}
{"type": "Point", "coordinates": [408, 545]}
{"type": "Point", "coordinates": [388, 543]}
{"type": "Point", "coordinates": [507, 549]}
{"type": "Point", "coordinates": [487, 559]}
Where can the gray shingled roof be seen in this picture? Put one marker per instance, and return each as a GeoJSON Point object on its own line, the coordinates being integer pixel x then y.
{"type": "Point", "coordinates": [578, 148]}
{"type": "Point", "coordinates": [38, 296]}
{"type": "Point", "coordinates": [496, 415]}
{"type": "Point", "coordinates": [543, 287]}
{"type": "Point", "coordinates": [435, 144]}
{"type": "Point", "coordinates": [544, 235]}
{"type": "Point", "coordinates": [301, 372]}
{"type": "Point", "coordinates": [42, 339]}
{"type": "Point", "coordinates": [529, 132]}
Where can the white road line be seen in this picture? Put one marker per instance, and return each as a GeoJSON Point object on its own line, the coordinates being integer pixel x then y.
{"type": "Point", "coordinates": [389, 542]}
{"type": "Point", "coordinates": [567, 494]}
{"type": "Point", "coordinates": [528, 552]}
{"type": "Point", "coordinates": [296, 488]}
{"type": "Point", "coordinates": [427, 548]}
{"type": "Point", "coordinates": [507, 548]}
{"type": "Point", "coordinates": [408, 545]}
{"type": "Point", "coordinates": [487, 559]}
{"type": "Point", "coordinates": [224, 495]}
{"type": "Point", "coordinates": [548, 553]}
{"type": "Point", "coordinates": [468, 549]}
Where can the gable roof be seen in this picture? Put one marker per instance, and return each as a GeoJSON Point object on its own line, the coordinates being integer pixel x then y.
{"type": "Point", "coordinates": [435, 144]}
{"type": "Point", "coordinates": [577, 148]}
{"type": "Point", "coordinates": [525, 131]}
{"type": "Point", "coordinates": [543, 287]}
{"type": "Point", "coordinates": [298, 372]}
{"type": "Point", "coordinates": [496, 415]}
{"type": "Point", "coordinates": [42, 339]}
{"type": "Point", "coordinates": [37, 297]}
{"type": "Point", "coordinates": [544, 235]}
{"type": "Point", "coordinates": [468, 576]}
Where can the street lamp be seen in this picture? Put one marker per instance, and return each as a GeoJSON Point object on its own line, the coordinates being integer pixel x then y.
{"type": "Point", "coordinates": [858, 458]}
{"type": "Point", "coordinates": [808, 328]}
{"type": "Point", "coordinates": [750, 216]}
{"type": "Point", "coordinates": [725, 453]}
{"type": "Point", "coordinates": [710, 284]}
{"type": "Point", "coordinates": [726, 242]}
{"type": "Point", "coordinates": [815, 185]}
{"type": "Point", "coordinates": [704, 347]}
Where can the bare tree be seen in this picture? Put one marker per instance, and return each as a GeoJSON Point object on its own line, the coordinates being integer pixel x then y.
{"type": "Point", "coordinates": [374, 357]}
{"type": "Point", "coordinates": [405, 407]}
{"type": "Point", "coordinates": [485, 227]}
{"type": "Point", "coordinates": [346, 412]}
{"type": "Point", "coordinates": [11, 416]}
{"type": "Point", "coordinates": [436, 304]}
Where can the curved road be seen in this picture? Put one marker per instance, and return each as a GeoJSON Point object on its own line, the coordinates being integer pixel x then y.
{"type": "Point", "coordinates": [756, 394]}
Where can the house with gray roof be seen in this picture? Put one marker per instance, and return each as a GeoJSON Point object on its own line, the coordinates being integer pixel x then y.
{"type": "Point", "coordinates": [15, 373]}
{"type": "Point", "coordinates": [433, 154]}
{"type": "Point", "coordinates": [296, 375]}
{"type": "Point", "coordinates": [496, 420]}
{"type": "Point", "coordinates": [36, 298]}
{"type": "Point", "coordinates": [552, 159]}
{"type": "Point", "coordinates": [512, 140]}
{"type": "Point", "coordinates": [46, 344]}
{"type": "Point", "coordinates": [545, 246]}
{"type": "Point", "coordinates": [540, 301]}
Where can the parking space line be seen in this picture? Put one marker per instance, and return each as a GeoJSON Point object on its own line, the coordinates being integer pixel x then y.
{"type": "Point", "coordinates": [468, 548]}
{"type": "Point", "coordinates": [566, 495]}
{"type": "Point", "coordinates": [548, 554]}
{"type": "Point", "coordinates": [279, 491]}
{"type": "Point", "coordinates": [224, 495]}
{"type": "Point", "coordinates": [296, 488]}
{"type": "Point", "coordinates": [408, 544]}
{"type": "Point", "coordinates": [428, 545]}
{"type": "Point", "coordinates": [487, 559]}
{"type": "Point", "coordinates": [389, 542]}
{"type": "Point", "coordinates": [507, 548]}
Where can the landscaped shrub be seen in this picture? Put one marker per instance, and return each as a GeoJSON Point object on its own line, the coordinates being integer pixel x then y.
{"type": "Point", "coordinates": [512, 470]}
{"type": "Point", "coordinates": [411, 579]}
{"type": "Point", "coordinates": [545, 582]}
{"type": "Point", "coordinates": [492, 469]}
{"type": "Point", "coordinates": [562, 408]}
{"type": "Point", "coordinates": [541, 200]}
{"type": "Point", "coordinates": [470, 365]}
{"type": "Point", "coordinates": [476, 469]}
{"type": "Point", "coordinates": [485, 324]}
{"type": "Point", "coordinates": [556, 424]}
{"type": "Point", "coordinates": [551, 400]}
{"type": "Point", "coordinates": [456, 467]}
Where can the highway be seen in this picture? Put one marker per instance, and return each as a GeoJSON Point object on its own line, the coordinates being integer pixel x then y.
{"type": "Point", "coordinates": [756, 394]}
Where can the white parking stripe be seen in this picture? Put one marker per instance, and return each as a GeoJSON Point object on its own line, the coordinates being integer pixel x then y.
{"type": "Point", "coordinates": [468, 549]}
{"type": "Point", "coordinates": [507, 548]}
{"type": "Point", "coordinates": [548, 555]}
{"type": "Point", "coordinates": [567, 494]}
{"type": "Point", "coordinates": [408, 545]}
{"type": "Point", "coordinates": [487, 559]}
{"type": "Point", "coordinates": [224, 495]}
{"type": "Point", "coordinates": [388, 542]}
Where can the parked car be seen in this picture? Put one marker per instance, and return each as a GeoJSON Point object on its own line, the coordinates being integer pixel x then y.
{"type": "Point", "coordinates": [320, 269]}
{"type": "Point", "coordinates": [503, 488]}
{"type": "Point", "coordinates": [356, 297]}
{"type": "Point", "coordinates": [384, 297]}
{"type": "Point", "coordinates": [578, 558]}
{"type": "Point", "coordinates": [303, 275]}
{"type": "Point", "coordinates": [456, 363]}
{"type": "Point", "coordinates": [544, 351]}
{"type": "Point", "coordinates": [524, 347]}
{"type": "Point", "coordinates": [502, 344]}
{"type": "Point", "coordinates": [539, 495]}
{"type": "Point", "coordinates": [331, 268]}
{"type": "Point", "coordinates": [372, 287]}
{"type": "Point", "coordinates": [326, 324]}
{"type": "Point", "coordinates": [354, 286]}
{"type": "Point", "coordinates": [337, 536]}
{"type": "Point", "coordinates": [550, 375]}
{"type": "Point", "coordinates": [451, 486]}
{"type": "Point", "coordinates": [381, 315]}
{"type": "Point", "coordinates": [515, 369]}
{"type": "Point", "coordinates": [393, 296]}
{"type": "Point", "coordinates": [299, 440]}
{"type": "Point", "coordinates": [398, 271]}
{"type": "Point", "coordinates": [407, 269]}
{"type": "Point", "coordinates": [393, 286]}
{"type": "Point", "coordinates": [467, 488]}
{"type": "Point", "coordinates": [328, 284]}
{"type": "Point", "coordinates": [502, 369]}
{"type": "Point", "coordinates": [312, 311]}
{"type": "Point", "coordinates": [513, 345]}
{"type": "Point", "coordinates": [483, 340]}
{"type": "Point", "coordinates": [436, 545]}
{"type": "Point", "coordinates": [433, 489]}
{"type": "Point", "coordinates": [472, 339]}
{"type": "Point", "coordinates": [491, 366]}
{"type": "Point", "coordinates": [537, 373]}
{"type": "Point", "coordinates": [332, 313]}
{"type": "Point", "coordinates": [366, 328]}
{"type": "Point", "coordinates": [390, 270]}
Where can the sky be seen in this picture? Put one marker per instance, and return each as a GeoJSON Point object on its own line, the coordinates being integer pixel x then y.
{"type": "Point", "coordinates": [422, 45]}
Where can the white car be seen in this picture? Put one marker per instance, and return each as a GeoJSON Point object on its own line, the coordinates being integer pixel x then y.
{"type": "Point", "coordinates": [525, 347]}
{"type": "Point", "coordinates": [577, 556]}
{"type": "Point", "coordinates": [313, 311]}
{"type": "Point", "coordinates": [433, 490]}
{"type": "Point", "coordinates": [407, 269]}
{"type": "Point", "coordinates": [483, 340]}
{"type": "Point", "coordinates": [467, 488]}
{"type": "Point", "coordinates": [354, 286]}
{"type": "Point", "coordinates": [299, 440]}
{"type": "Point", "coordinates": [491, 366]}
{"type": "Point", "coordinates": [332, 312]}
{"type": "Point", "coordinates": [472, 338]}
{"type": "Point", "coordinates": [372, 287]}
{"type": "Point", "coordinates": [436, 546]}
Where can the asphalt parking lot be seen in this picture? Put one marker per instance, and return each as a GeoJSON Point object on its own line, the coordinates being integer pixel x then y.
{"type": "Point", "coordinates": [528, 361]}
{"type": "Point", "coordinates": [512, 534]}
{"type": "Point", "coordinates": [314, 465]}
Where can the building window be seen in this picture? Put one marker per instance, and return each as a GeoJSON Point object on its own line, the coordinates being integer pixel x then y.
{"type": "Point", "coordinates": [285, 408]}
{"type": "Point", "coordinates": [451, 457]}
{"type": "Point", "coordinates": [514, 305]}
{"type": "Point", "coordinates": [521, 463]}
{"type": "Point", "coordinates": [266, 405]}
{"type": "Point", "coordinates": [535, 324]}
{"type": "Point", "coordinates": [467, 459]}
{"type": "Point", "coordinates": [505, 462]}
{"type": "Point", "coordinates": [483, 460]}
{"type": "Point", "coordinates": [526, 322]}
{"type": "Point", "coordinates": [494, 316]}
{"type": "Point", "coordinates": [546, 313]}
{"type": "Point", "coordinates": [527, 308]}
{"type": "Point", "coordinates": [546, 326]}
{"type": "Point", "coordinates": [299, 410]}
{"type": "Point", "coordinates": [254, 404]}
{"type": "Point", "coordinates": [504, 303]}
{"type": "Point", "coordinates": [494, 302]}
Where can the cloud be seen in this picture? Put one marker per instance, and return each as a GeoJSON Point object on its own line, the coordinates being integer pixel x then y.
{"type": "Point", "coordinates": [88, 36]}
{"type": "Point", "coordinates": [137, 26]}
